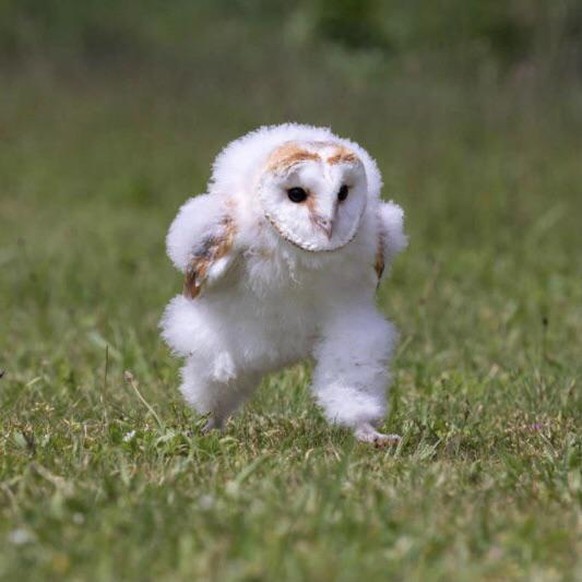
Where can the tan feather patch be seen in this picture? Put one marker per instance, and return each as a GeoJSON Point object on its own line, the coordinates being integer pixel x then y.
{"type": "Point", "coordinates": [287, 156]}
{"type": "Point", "coordinates": [343, 155]}
{"type": "Point", "coordinates": [212, 249]}
{"type": "Point", "coordinates": [379, 263]}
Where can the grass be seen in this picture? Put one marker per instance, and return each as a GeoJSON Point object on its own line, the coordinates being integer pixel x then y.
{"type": "Point", "coordinates": [105, 479]}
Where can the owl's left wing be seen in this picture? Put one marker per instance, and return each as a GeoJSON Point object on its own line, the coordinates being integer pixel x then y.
{"type": "Point", "coordinates": [391, 237]}
{"type": "Point", "coordinates": [201, 242]}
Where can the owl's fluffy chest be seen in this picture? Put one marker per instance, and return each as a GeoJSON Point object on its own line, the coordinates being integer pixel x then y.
{"type": "Point", "coordinates": [273, 267]}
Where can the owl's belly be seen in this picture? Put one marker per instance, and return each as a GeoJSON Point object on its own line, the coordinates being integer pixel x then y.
{"type": "Point", "coordinates": [263, 332]}
{"type": "Point", "coordinates": [270, 309]}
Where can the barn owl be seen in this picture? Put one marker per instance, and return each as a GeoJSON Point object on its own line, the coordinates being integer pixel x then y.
{"type": "Point", "coordinates": [281, 260]}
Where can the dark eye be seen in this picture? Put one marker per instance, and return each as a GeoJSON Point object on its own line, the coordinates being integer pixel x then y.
{"type": "Point", "coordinates": [343, 193]}
{"type": "Point", "coordinates": [297, 195]}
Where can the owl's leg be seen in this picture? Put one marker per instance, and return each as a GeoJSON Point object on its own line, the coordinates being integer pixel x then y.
{"type": "Point", "coordinates": [351, 377]}
{"type": "Point", "coordinates": [218, 398]}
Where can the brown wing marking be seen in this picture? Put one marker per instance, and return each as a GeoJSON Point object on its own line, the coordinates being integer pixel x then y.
{"type": "Point", "coordinates": [379, 262]}
{"type": "Point", "coordinates": [211, 250]}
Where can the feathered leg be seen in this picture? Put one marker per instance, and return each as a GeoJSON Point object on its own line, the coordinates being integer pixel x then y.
{"type": "Point", "coordinates": [217, 398]}
{"type": "Point", "coordinates": [351, 376]}
{"type": "Point", "coordinates": [212, 383]}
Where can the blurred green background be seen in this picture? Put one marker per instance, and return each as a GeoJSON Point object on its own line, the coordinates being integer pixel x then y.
{"type": "Point", "coordinates": [493, 34]}
{"type": "Point", "coordinates": [110, 116]}
{"type": "Point", "coordinates": [182, 78]}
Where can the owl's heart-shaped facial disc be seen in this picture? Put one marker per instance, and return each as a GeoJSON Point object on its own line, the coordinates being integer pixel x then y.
{"type": "Point", "coordinates": [314, 194]}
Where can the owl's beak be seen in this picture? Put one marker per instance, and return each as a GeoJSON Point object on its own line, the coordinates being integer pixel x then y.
{"type": "Point", "coordinates": [324, 224]}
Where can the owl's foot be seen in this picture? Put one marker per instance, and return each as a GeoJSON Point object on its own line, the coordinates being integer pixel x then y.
{"type": "Point", "coordinates": [213, 423]}
{"type": "Point", "coordinates": [366, 433]}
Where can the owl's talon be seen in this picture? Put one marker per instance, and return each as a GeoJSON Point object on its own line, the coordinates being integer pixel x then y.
{"type": "Point", "coordinates": [366, 433]}
{"type": "Point", "coordinates": [212, 424]}
{"type": "Point", "coordinates": [386, 440]}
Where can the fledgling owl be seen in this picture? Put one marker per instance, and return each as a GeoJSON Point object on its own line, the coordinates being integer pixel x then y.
{"type": "Point", "coordinates": [282, 258]}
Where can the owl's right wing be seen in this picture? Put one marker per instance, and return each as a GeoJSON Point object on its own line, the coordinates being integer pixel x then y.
{"type": "Point", "coordinates": [200, 242]}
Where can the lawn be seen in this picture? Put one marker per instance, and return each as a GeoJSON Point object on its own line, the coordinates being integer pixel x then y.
{"type": "Point", "coordinates": [107, 477]}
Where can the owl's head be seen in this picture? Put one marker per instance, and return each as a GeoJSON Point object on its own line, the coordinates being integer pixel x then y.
{"type": "Point", "coordinates": [314, 193]}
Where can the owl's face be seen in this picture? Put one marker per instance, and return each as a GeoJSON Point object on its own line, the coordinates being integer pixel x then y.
{"type": "Point", "coordinates": [314, 194]}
